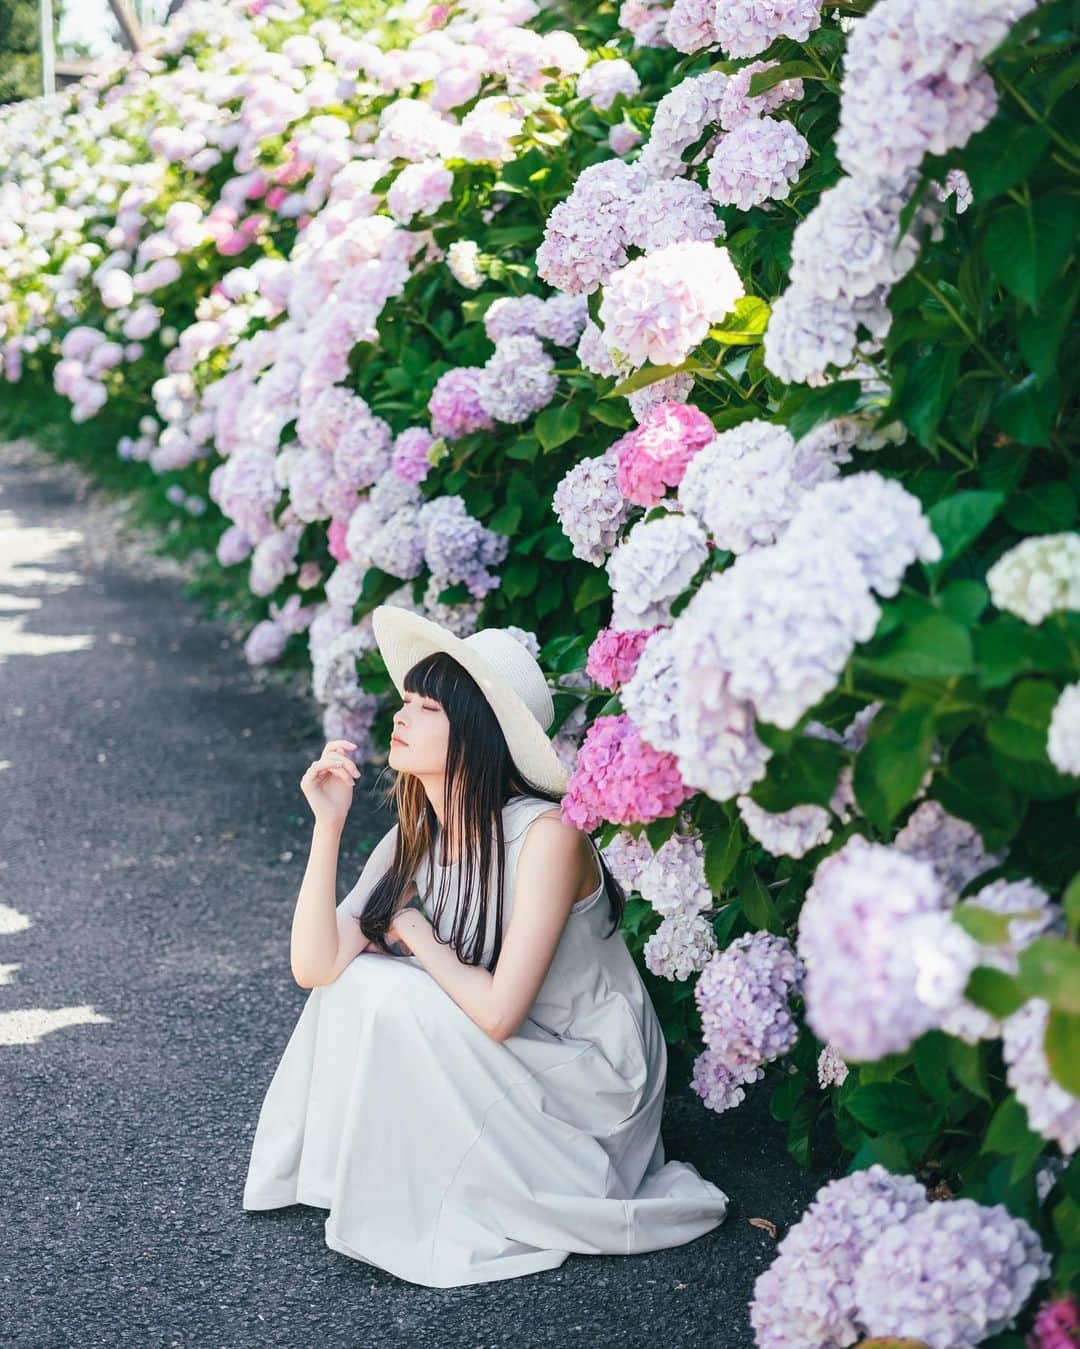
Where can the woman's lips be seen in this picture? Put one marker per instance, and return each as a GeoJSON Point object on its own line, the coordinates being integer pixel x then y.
{"type": "Point", "coordinates": [397, 740]}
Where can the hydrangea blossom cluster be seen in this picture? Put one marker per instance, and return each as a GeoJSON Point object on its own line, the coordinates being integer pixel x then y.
{"type": "Point", "coordinates": [671, 211]}
{"type": "Point", "coordinates": [672, 879]}
{"type": "Point", "coordinates": [738, 105]}
{"type": "Point", "coordinates": [660, 306]}
{"type": "Point", "coordinates": [463, 261]}
{"type": "Point", "coordinates": [1063, 734]}
{"type": "Point", "coordinates": [680, 946]}
{"type": "Point", "coordinates": [517, 380]}
{"type": "Point", "coordinates": [748, 483]}
{"type": "Point", "coordinates": [604, 81]}
{"type": "Point", "coordinates": [787, 833]}
{"type": "Point", "coordinates": [651, 697]}
{"type": "Point", "coordinates": [681, 117]}
{"type": "Point", "coordinates": [805, 1299]}
{"type": "Point", "coordinates": [618, 777]}
{"type": "Point", "coordinates": [627, 857]}
{"type": "Point", "coordinates": [953, 847]}
{"type": "Point", "coordinates": [1037, 577]}
{"type": "Point", "coordinates": [747, 27]}
{"type": "Point", "coordinates": [953, 1274]}
{"type": "Point", "coordinates": [590, 508]}
{"type": "Point", "coordinates": [410, 460]}
{"type": "Point", "coordinates": [654, 456]}
{"type": "Point", "coordinates": [458, 548]}
{"type": "Point", "coordinates": [585, 235]}
{"type": "Point", "coordinates": [613, 656]}
{"type": "Point", "coordinates": [913, 83]}
{"type": "Point", "coordinates": [882, 956]}
{"type": "Point", "coordinates": [757, 161]}
{"type": "Point", "coordinates": [832, 1071]}
{"type": "Point", "coordinates": [1052, 1111]}
{"type": "Point", "coordinates": [651, 567]}
{"type": "Point", "coordinates": [1057, 1325]}
{"type": "Point", "coordinates": [742, 996]}
{"type": "Point", "coordinates": [455, 407]}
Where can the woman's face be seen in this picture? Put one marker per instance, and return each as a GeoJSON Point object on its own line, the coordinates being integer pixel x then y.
{"type": "Point", "coordinates": [421, 736]}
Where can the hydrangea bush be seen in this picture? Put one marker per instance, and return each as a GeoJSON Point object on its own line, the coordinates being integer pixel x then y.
{"type": "Point", "coordinates": [725, 352]}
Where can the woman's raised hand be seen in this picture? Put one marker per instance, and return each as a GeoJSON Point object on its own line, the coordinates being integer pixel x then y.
{"type": "Point", "coordinates": [328, 782]}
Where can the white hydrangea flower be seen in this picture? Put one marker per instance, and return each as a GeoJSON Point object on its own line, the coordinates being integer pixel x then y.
{"type": "Point", "coordinates": [1052, 1111]}
{"type": "Point", "coordinates": [463, 258]}
{"type": "Point", "coordinates": [672, 880]}
{"type": "Point", "coordinates": [651, 698]}
{"type": "Point", "coordinates": [1063, 735]}
{"type": "Point", "coordinates": [680, 946]}
{"type": "Point", "coordinates": [1038, 577]}
{"type": "Point", "coordinates": [788, 833]}
{"type": "Point", "coordinates": [831, 1068]}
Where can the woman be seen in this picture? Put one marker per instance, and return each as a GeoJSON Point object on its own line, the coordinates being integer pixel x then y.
{"type": "Point", "coordinates": [475, 1084]}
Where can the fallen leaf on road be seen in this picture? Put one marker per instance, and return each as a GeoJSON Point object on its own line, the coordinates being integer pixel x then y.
{"type": "Point", "coordinates": [765, 1223]}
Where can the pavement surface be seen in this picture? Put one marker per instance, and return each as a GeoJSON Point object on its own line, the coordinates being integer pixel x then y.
{"type": "Point", "coordinates": [152, 842]}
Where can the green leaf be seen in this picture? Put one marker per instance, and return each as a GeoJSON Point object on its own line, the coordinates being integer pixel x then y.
{"type": "Point", "coordinates": [1045, 508]}
{"type": "Point", "coordinates": [1039, 336]}
{"type": "Point", "coordinates": [1050, 969]}
{"type": "Point", "coordinates": [744, 324]}
{"type": "Point", "coordinates": [785, 1096]}
{"type": "Point", "coordinates": [983, 924]}
{"type": "Point", "coordinates": [994, 991]}
{"type": "Point", "coordinates": [556, 425]}
{"type": "Point", "coordinates": [640, 379]}
{"type": "Point", "coordinates": [965, 600]}
{"type": "Point", "coordinates": [659, 831]}
{"type": "Point", "coordinates": [891, 764]}
{"type": "Point", "coordinates": [1001, 155]}
{"type": "Point", "coordinates": [1062, 1045]}
{"type": "Point", "coordinates": [801, 410]}
{"type": "Point", "coordinates": [926, 390]}
{"type": "Point", "coordinates": [936, 647]}
{"type": "Point", "coordinates": [520, 577]}
{"type": "Point", "coordinates": [959, 520]}
{"type": "Point", "coordinates": [763, 80]}
{"type": "Point", "coordinates": [1021, 731]}
{"type": "Point", "coordinates": [505, 520]}
{"type": "Point", "coordinates": [722, 848]}
{"type": "Point", "coordinates": [611, 414]}
{"type": "Point", "coordinates": [803, 775]}
{"type": "Point", "coordinates": [1026, 411]}
{"type": "Point", "coordinates": [892, 1107]}
{"type": "Point", "coordinates": [1025, 246]}
{"type": "Point", "coordinates": [971, 788]}
{"type": "Point", "coordinates": [968, 1066]}
{"type": "Point", "coordinates": [594, 586]}
{"type": "Point", "coordinates": [1009, 1135]}
{"type": "Point", "coordinates": [932, 1065]}
{"type": "Point", "coordinates": [1008, 647]}
{"type": "Point", "coordinates": [756, 901]}
{"type": "Point", "coordinates": [1071, 904]}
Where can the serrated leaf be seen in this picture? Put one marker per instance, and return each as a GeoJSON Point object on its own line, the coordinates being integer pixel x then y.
{"type": "Point", "coordinates": [722, 847]}
{"type": "Point", "coordinates": [958, 521]}
{"type": "Point", "coordinates": [763, 80]}
{"type": "Point", "coordinates": [892, 762]}
{"type": "Point", "coordinates": [936, 647]}
{"type": "Point", "coordinates": [1025, 246]}
{"type": "Point", "coordinates": [1001, 155]}
{"type": "Point", "coordinates": [744, 324]}
{"type": "Point", "coordinates": [1027, 410]}
{"type": "Point", "coordinates": [1062, 1046]}
{"type": "Point", "coordinates": [556, 425]}
{"type": "Point", "coordinates": [1050, 969]}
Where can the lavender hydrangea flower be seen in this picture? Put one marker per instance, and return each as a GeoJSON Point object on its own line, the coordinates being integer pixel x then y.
{"type": "Point", "coordinates": [832, 1071]}
{"type": "Point", "coordinates": [742, 996]}
{"type": "Point", "coordinates": [650, 697]}
{"type": "Point", "coordinates": [1039, 576]}
{"type": "Point", "coordinates": [747, 483]}
{"type": "Point", "coordinates": [862, 972]}
{"type": "Point", "coordinates": [671, 211]}
{"type": "Point", "coordinates": [653, 565]}
{"type": "Point", "coordinates": [590, 508]}
{"type": "Point", "coordinates": [718, 1086]}
{"type": "Point", "coordinates": [756, 162]}
{"type": "Point", "coordinates": [627, 858]}
{"type": "Point", "coordinates": [738, 105]}
{"type": "Point", "coordinates": [718, 750]}
{"type": "Point", "coordinates": [605, 80]}
{"type": "Point", "coordinates": [513, 316]}
{"type": "Point", "coordinates": [454, 404]}
{"type": "Point", "coordinates": [679, 120]}
{"type": "Point", "coordinates": [953, 847]}
{"type": "Point", "coordinates": [1052, 1111]}
{"type": "Point", "coordinates": [787, 620]}
{"type": "Point", "coordinates": [562, 319]}
{"type": "Point", "coordinates": [672, 389]}
{"type": "Point", "coordinates": [690, 25]}
{"type": "Point", "coordinates": [680, 946]}
{"type": "Point", "coordinates": [880, 523]}
{"type": "Point", "coordinates": [584, 236]}
{"type": "Point", "coordinates": [747, 27]}
{"type": "Point", "coordinates": [457, 548]}
{"type": "Point", "coordinates": [517, 381]}
{"type": "Point", "coordinates": [952, 1275]}
{"type": "Point", "coordinates": [1063, 734]}
{"type": "Point", "coordinates": [805, 1299]}
{"type": "Point", "coordinates": [807, 334]}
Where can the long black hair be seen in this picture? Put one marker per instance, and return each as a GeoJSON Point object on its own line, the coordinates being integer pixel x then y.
{"type": "Point", "coordinates": [481, 777]}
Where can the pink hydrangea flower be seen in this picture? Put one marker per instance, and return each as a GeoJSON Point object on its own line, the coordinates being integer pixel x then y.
{"type": "Point", "coordinates": [654, 456]}
{"type": "Point", "coordinates": [454, 404]}
{"type": "Point", "coordinates": [335, 538]}
{"type": "Point", "coordinates": [613, 656]}
{"type": "Point", "coordinates": [410, 462]}
{"type": "Point", "coordinates": [618, 777]}
{"type": "Point", "coordinates": [1057, 1325]}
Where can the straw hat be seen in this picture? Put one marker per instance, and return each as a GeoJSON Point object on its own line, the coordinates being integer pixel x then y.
{"type": "Point", "coordinates": [508, 675]}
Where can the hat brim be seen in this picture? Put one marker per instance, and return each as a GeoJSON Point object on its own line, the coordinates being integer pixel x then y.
{"type": "Point", "coordinates": [404, 637]}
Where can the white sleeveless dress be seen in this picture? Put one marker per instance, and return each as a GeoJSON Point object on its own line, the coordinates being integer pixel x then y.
{"type": "Point", "coordinates": [449, 1158]}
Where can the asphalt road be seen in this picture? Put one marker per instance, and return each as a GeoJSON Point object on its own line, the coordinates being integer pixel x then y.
{"type": "Point", "coordinates": [152, 842]}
